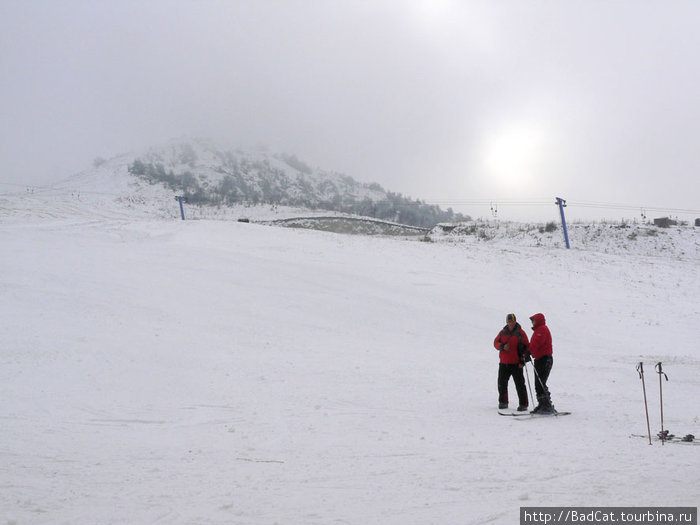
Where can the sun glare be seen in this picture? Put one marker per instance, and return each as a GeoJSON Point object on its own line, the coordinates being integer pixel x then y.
{"type": "Point", "coordinates": [433, 7]}
{"type": "Point", "coordinates": [512, 156]}
{"type": "Point", "coordinates": [434, 19]}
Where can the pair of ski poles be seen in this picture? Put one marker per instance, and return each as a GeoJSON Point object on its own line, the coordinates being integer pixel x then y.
{"type": "Point", "coordinates": [659, 370]}
{"type": "Point", "coordinates": [527, 375]}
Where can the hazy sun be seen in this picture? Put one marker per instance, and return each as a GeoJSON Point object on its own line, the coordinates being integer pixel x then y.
{"type": "Point", "coordinates": [433, 7]}
{"type": "Point", "coordinates": [513, 155]}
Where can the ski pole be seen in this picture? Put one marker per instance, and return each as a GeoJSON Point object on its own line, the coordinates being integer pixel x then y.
{"type": "Point", "coordinates": [544, 388]}
{"type": "Point", "coordinates": [640, 370]}
{"type": "Point", "coordinates": [660, 371]}
{"type": "Point", "coordinates": [527, 375]}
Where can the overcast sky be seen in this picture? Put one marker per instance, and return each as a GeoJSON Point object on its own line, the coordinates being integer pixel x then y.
{"type": "Point", "coordinates": [449, 101]}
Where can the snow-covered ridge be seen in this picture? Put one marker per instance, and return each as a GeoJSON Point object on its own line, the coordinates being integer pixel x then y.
{"type": "Point", "coordinates": [217, 179]}
{"type": "Point", "coordinates": [110, 192]}
{"type": "Point", "coordinates": [256, 172]}
{"type": "Point", "coordinates": [209, 175]}
{"type": "Point", "coordinates": [681, 242]}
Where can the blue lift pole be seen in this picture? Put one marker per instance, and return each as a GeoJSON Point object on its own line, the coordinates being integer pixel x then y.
{"type": "Point", "coordinates": [562, 204]}
{"type": "Point", "coordinates": [182, 210]}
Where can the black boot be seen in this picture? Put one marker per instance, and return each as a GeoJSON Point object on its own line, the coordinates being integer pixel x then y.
{"type": "Point", "coordinates": [546, 405]}
{"type": "Point", "coordinates": [539, 404]}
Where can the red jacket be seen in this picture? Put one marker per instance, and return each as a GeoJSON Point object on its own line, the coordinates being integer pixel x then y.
{"type": "Point", "coordinates": [512, 339]}
{"type": "Point", "coordinates": [541, 343]}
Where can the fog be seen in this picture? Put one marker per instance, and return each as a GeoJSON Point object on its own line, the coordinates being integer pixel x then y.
{"type": "Point", "coordinates": [474, 105]}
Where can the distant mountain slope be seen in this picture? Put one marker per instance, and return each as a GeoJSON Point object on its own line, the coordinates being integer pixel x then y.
{"type": "Point", "coordinates": [210, 176]}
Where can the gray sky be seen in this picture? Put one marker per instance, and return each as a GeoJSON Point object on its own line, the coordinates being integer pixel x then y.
{"type": "Point", "coordinates": [449, 101]}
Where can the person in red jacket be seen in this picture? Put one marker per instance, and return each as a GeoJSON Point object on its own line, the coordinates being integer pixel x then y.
{"type": "Point", "coordinates": [511, 343]}
{"type": "Point", "coordinates": [541, 350]}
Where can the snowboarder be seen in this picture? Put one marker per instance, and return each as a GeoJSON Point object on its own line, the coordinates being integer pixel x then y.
{"type": "Point", "coordinates": [541, 349]}
{"type": "Point", "coordinates": [511, 343]}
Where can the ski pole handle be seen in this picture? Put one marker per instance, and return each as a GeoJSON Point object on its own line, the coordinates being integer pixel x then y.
{"type": "Point", "coordinates": [660, 371]}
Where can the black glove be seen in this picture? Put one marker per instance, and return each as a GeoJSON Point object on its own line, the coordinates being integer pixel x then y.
{"type": "Point", "coordinates": [526, 356]}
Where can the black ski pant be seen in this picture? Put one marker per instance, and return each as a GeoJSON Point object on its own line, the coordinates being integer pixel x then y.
{"type": "Point", "coordinates": [504, 374]}
{"type": "Point", "coordinates": [543, 366]}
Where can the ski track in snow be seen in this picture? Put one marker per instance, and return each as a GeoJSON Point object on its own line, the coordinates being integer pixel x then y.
{"type": "Point", "coordinates": [160, 371]}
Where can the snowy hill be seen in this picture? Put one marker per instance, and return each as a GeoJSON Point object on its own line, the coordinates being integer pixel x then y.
{"type": "Point", "coordinates": [215, 180]}
{"type": "Point", "coordinates": [109, 190]}
{"type": "Point", "coordinates": [210, 371]}
{"type": "Point", "coordinates": [214, 174]}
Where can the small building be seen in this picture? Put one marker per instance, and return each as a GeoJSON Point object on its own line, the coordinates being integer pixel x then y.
{"type": "Point", "coordinates": [665, 222]}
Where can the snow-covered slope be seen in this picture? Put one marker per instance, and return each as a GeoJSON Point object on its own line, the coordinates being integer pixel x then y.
{"type": "Point", "coordinates": [253, 172]}
{"type": "Point", "coordinates": [217, 182]}
{"type": "Point", "coordinates": [161, 371]}
{"type": "Point", "coordinates": [110, 191]}
{"type": "Point", "coordinates": [634, 239]}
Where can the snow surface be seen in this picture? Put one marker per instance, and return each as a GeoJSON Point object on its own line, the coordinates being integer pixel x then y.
{"type": "Point", "coordinates": [215, 372]}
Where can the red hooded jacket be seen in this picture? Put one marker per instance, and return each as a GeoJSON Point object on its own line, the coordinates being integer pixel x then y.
{"type": "Point", "coordinates": [505, 336]}
{"type": "Point", "coordinates": [541, 343]}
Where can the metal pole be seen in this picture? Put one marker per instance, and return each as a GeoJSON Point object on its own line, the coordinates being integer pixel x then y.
{"type": "Point", "coordinates": [527, 375]}
{"type": "Point", "coordinates": [562, 203]}
{"type": "Point", "coordinates": [660, 371]}
{"type": "Point", "coordinates": [640, 369]}
{"type": "Point", "coordinates": [182, 210]}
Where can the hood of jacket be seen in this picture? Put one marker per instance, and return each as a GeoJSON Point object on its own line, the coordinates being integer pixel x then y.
{"type": "Point", "coordinates": [538, 320]}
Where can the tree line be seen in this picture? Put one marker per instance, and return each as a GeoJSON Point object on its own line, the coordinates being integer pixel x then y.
{"type": "Point", "coordinates": [244, 181]}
